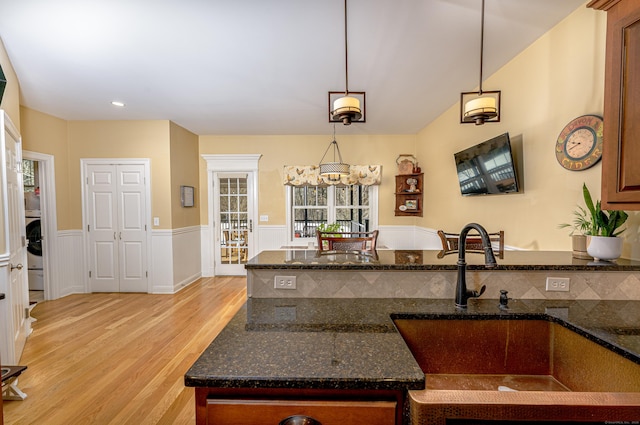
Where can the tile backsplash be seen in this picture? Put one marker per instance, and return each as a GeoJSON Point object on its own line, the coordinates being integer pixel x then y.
{"type": "Point", "coordinates": [441, 284]}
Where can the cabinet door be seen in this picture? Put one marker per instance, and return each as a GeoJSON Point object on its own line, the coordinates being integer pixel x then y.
{"type": "Point", "coordinates": [621, 156]}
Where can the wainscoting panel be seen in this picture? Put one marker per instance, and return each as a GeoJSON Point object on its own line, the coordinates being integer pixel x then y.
{"type": "Point", "coordinates": [187, 263]}
{"type": "Point", "coordinates": [71, 269]}
{"type": "Point", "coordinates": [206, 252]}
{"type": "Point", "coordinates": [271, 237]}
{"type": "Point", "coordinates": [161, 270]}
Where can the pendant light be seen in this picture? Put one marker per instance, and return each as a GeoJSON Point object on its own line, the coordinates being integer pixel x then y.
{"type": "Point", "coordinates": [480, 106]}
{"type": "Point", "coordinates": [346, 109]}
{"type": "Point", "coordinates": [335, 170]}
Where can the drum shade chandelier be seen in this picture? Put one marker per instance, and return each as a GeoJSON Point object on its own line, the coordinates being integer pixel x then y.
{"type": "Point", "coordinates": [480, 106]}
{"type": "Point", "coordinates": [333, 171]}
{"type": "Point", "coordinates": [346, 109]}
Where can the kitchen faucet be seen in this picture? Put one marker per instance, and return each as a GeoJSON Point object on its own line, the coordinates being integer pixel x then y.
{"type": "Point", "coordinates": [462, 293]}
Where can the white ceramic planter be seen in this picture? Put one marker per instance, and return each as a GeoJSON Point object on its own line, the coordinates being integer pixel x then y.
{"type": "Point", "coordinates": [604, 247]}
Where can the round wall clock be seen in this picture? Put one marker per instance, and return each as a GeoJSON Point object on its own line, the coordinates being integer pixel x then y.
{"type": "Point", "coordinates": [579, 144]}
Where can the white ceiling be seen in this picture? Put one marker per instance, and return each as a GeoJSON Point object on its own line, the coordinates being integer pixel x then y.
{"type": "Point", "coordinates": [261, 66]}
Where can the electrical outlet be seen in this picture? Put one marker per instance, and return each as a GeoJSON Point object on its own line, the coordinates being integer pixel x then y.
{"type": "Point", "coordinates": [558, 284]}
{"type": "Point", "coordinates": [284, 282]}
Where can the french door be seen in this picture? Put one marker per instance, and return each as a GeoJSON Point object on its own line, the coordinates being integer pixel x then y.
{"type": "Point", "coordinates": [234, 222]}
{"type": "Point", "coordinates": [116, 205]}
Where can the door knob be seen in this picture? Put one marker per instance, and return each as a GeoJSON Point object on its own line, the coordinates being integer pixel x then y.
{"type": "Point", "coordinates": [18, 266]}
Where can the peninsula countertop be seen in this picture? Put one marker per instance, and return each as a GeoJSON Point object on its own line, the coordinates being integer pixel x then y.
{"type": "Point", "coordinates": [428, 260]}
{"type": "Point", "coordinates": [353, 343]}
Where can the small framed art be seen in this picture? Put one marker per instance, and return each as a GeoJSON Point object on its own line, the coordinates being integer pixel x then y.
{"type": "Point", "coordinates": [186, 196]}
{"type": "Point", "coordinates": [411, 204]}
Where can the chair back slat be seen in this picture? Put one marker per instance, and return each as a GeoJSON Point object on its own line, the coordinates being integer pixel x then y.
{"type": "Point", "coordinates": [473, 243]}
{"type": "Point", "coordinates": [347, 241]}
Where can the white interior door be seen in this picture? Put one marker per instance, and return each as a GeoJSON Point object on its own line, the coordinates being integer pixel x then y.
{"type": "Point", "coordinates": [234, 222]}
{"type": "Point", "coordinates": [132, 224]}
{"type": "Point", "coordinates": [117, 227]}
{"type": "Point", "coordinates": [18, 295]}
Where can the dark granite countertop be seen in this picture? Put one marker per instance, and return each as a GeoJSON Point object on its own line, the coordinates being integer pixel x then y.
{"type": "Point", "coordinates": [428, 260]}
{"type": "Point", "coordinates": [353, 343]}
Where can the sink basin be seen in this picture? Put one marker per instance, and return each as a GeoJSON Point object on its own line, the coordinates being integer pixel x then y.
{"type": "Point", "coordinates": [516, 370]}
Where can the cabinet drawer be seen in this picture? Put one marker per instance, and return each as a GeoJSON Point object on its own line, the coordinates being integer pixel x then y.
{"type": "Point", "coordinates": [327, 412]}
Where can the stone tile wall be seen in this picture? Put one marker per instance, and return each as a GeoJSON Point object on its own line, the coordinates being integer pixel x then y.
{"type": "Point", "coordinates": [441, 284]}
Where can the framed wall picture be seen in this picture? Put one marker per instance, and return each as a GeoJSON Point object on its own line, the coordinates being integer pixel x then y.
{"type": "Point", "coordinates": [186, 196]}
{"type": "Point", "coordinates": [411, 204]}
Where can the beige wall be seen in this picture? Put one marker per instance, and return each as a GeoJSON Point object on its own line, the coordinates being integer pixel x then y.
{"type": "Point", "coordinates": [46, 134]}
{"type": "Point", "coordinates": [184, 172]}
{"type": "Point", "coordinates": [11, 99]}
{"type": "Point", "coordinates": [173, 152]}
{"type": "Point", "coordinates": [121, 139]}
{"type": "Point", "coordinates": [558, 78]}
{"type": "Point", "coordinates": [278, 151]}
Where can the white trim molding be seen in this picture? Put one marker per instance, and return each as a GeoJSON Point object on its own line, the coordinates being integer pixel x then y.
{"type": "Point", "coordinates": [227, 163]}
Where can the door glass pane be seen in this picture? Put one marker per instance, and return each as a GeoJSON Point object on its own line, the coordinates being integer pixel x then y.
{"type": "Point", "coordinates": [233, 220]}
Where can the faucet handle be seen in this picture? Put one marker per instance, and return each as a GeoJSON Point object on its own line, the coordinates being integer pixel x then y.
{"type": "Point", "coordinates": [476, 294]}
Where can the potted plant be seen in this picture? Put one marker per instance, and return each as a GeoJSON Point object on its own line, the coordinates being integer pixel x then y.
{"type": "Point", "coordinates": [579, 229]}
{"type": "Point", "coordinates": [328, 229]}
{"type": "Point", "coordinates": [604, 227]}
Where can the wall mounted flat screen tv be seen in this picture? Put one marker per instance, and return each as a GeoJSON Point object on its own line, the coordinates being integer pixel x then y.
{"type": "Point", "coordinates": [487, 168]}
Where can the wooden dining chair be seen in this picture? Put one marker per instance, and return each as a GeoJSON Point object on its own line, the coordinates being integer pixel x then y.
{"type": "Point", "coordinates": [473, 243]}
{"type": "Point", "coordinates": [347, 241]}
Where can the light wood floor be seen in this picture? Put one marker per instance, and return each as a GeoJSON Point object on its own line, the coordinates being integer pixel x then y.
{"type": "Point", "coordinates": [120, 358]}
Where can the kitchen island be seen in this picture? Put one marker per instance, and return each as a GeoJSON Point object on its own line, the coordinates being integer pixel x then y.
{"type": "Point", "coordinates": [344, 357]}
{"type": "Point", "coordinates": [339, 350]}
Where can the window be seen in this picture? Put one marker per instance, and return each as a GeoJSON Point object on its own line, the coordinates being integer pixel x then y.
{"type": "Point", "coordinates": [353, 207]}
{"type": "Point", "coordinates": [29, 174]}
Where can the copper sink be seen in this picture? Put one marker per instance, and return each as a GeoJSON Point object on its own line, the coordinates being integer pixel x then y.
{"type": "Point", "coordinates": [516, 370]}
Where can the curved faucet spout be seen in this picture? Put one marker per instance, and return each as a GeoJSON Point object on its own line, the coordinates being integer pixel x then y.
{"type": "Point", "coordinates": [462, 293]}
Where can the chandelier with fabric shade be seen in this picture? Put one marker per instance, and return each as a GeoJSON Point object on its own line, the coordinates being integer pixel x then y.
{"type": "Point", "coordinates": [480, 106]}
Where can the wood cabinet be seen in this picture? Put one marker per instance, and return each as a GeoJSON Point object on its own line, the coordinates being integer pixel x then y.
{"type": "Point", "coordinates": [271, 406]}
{"type": "Point", "coordinates": [409, 196]}
{"type": "Point", "coordinates": [621, 150]}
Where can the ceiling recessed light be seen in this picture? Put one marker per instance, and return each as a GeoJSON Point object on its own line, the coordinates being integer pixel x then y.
{"type": "Point", "coordinates": [116, 103]}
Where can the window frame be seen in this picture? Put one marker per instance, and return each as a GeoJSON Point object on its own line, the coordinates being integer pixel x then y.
{"type": "Point", "coordinates": [331, 212]}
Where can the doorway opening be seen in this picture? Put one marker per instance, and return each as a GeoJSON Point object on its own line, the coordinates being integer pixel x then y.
{"type": "Point", "coordinates": [41, 225]}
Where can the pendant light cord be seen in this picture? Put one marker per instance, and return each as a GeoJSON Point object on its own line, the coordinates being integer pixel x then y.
{"type": "Point", "coordinates": [334, 143]}
{"type": "Point", "coordinates": [346, 54]}
{"type": "Point", "coordinates": [481, 47]}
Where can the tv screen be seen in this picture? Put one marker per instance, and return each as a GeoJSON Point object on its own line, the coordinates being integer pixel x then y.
{"type": "Point", "coordinates": [487, 168]}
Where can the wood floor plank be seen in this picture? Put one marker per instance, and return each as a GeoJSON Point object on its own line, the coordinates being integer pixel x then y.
{"type": "Point", "coordinates": [120, 358]}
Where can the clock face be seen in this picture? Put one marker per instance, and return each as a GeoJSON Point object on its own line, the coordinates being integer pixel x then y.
{"type": "Point", "coordinates": [579, 145]}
